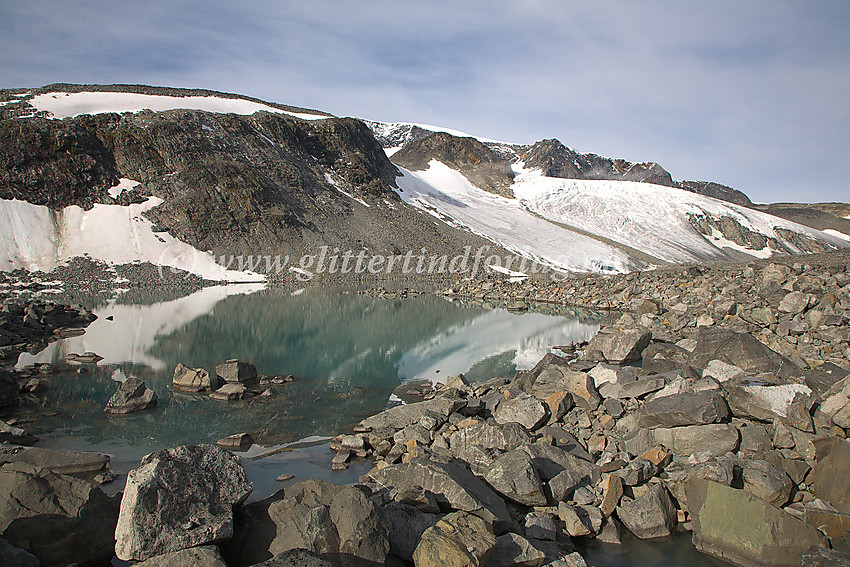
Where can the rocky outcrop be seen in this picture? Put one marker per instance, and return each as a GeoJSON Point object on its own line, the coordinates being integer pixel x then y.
{"type": "Point", "coordinates": [179, 498]}
{"type": "Point", "coordinates": [481, 165]}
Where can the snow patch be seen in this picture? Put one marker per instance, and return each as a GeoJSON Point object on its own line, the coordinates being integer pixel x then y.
{"type": "Point", "coordinates": [67, 105]}
{"type": "Point", "coordinates": [837, 234]}
{"type": "Point", "coordinates": [37, 238]}
{"type": "Point", "coordinates": [720, 241]}
{"type": "Point", "coordinates": [501, 270]}
{"type": "Point", "coordinates": [123, 185]}
{"type": "Point", "coordinates": [647, 217]}
{"type": "Point", "coordinates": [449, 196]}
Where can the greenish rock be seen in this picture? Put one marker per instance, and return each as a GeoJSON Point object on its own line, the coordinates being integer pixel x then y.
{"type": "Point", "coordinates": [738, 527]}
{"type": "Point", "coordinates": [458, 540]}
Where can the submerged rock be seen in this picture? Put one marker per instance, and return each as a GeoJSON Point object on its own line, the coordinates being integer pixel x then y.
{"type": "Point", "coordinates": [132, 395]}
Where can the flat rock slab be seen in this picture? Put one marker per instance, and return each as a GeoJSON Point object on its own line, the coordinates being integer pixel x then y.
{"type": "Point", "coordinates": [679, 410]}
{"type": "Point", "coordinates": [714, 438]}
{"type": "Point", "coordinates": [452, 484]}
{"type": "Point", "coordinates": [59, 462]}
{"type": "Point", "coordinates": [401, 416]}
{"type": "Point", "coordinates": [741, 349]}
{"type": "Point", "coordinates": [738, 527]}
{"type": "Point", "coordinates": [179, 498]}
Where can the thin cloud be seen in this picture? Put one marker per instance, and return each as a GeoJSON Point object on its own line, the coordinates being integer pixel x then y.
{"type": "Point", "coordinates": [752, 95]}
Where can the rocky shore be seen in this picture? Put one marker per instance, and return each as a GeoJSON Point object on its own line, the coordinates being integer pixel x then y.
{"type": "Point", "coordinates": [714, 400]}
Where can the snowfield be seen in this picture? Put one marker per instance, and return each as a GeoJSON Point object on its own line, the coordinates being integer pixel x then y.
{"type": "Point", "coordinates": [36, 238]}
{"type": "Point", "coordinates": [647, 217]}
{"type": "Point", "coordinates": [67, 105]}
{"type": "Point", "coordinates": [449, 196]}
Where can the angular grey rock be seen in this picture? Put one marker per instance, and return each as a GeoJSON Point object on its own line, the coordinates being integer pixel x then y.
{"type": "Point", "coordinates": [836, 404]}
{"type": "Point", "coordinates": [541, 526]}
{"type": "Point", "coordinates": [637, 472]}
{"type": "Point", "coordinates": [522, 408]}
{"type": "Point", "coordinates": [513, 476]}
{"type": "Point", "coordinates": [714, 438]}
{"type": "Point", "coordinates": [37, 506]}
{"type": "Point", "coordinates": [237, 442]}
{"type": "Point", "coordinates": [556, 377]}
{"type": "Point", "coordinates": [565, 440]}
{"type": "Point", "coordinates": [454, 486]}
{"type": "Point", "coordinates": [741, 349]}
{"type": "Point", "coordinates": [513, 550]}
{"type": "Point", "coordinates": [192, 380]}
{"type": "Point", "coordinates": [822, 378]}
{"type": "Point", "coordinates": [339, 523]}
{"type": "Point", "coordinates": [577, 525]}
{"type": "Point", "coordinates": [15, 435]}
{"type": "Point", "coordinates": [754, 439]}
{"type": "Point", "coordinates": [795, 302]}
{"type": "Point", "coordinates": [237, 372]}
{"type": "Point", "coordinates": [54, 460]}
{"type": "Point", "coordinates": [549, 461]}
{"type": "Point", "coordinates": [399, 417]}
{"type": "Point", "coordinates": [768, 482]}
{"type": "Point", "coordinates": [684, 409]}
{"type": "Point", "coordinates": [650, 515]}
{"type": "Point", "coordinates": [828, 477]}
{"type": "Point", "coordinates": [490, 436]}
{"type": "Point", "coordinates": [764, 402]}
{"type": "Point", "coordinates": [132, 395]}
{"type": "Point", "coordinates": [179, 498]}
{"type": "Point", "coordinates": [204, 556]}
{"type": "Point", "coordinates": [722, 371]}
{"type": "Point", "coordinates": [620, 345]}
{"type": "Point", "coordinates": [405, 526]}
{"type": "Point", "coordinates": [736, 526]}
{"type": "Point", "coordinates": [610, 532]}
{"type": "Point", "coordinates": [639, 388]}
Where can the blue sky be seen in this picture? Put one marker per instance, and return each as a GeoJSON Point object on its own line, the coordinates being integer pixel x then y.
{"type": "Point", "coordinates": [754, 94]}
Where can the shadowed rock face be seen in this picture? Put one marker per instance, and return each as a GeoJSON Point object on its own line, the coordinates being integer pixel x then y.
{"type": "Point", "coordinates": [481, 165]}
{"type": "Point", "coordinates": [557, 160]}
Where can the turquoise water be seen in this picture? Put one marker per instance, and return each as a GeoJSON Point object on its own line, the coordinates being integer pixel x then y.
{"type": "Point", "coordinates": [348, 353]}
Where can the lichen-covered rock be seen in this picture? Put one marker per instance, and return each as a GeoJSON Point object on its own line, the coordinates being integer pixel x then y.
{"type": "Point", "coordinates": [458, 540]}
{"type": "Point", "coordinates": [179, 498]}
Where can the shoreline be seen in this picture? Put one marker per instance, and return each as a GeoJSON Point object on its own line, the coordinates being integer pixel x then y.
{"type": "Point", "coordinates": [587, 446]}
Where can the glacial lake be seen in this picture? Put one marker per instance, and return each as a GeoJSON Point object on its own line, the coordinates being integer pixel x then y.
{"type": "Point", "coordinates": [347, 352]}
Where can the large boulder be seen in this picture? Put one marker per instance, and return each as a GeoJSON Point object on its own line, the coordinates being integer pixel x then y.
{"type": "Point", "coordinates": [454, 487]}
{"type": "Point", "coordinates": [203, 556]}
{"type": "Point", "coordinates": [399, 417]}
{"type": "Point", "coordinates": [679, 410]}
{"type": "Point", "coordinates": [619, 345]}
{"type": "Point", "coordinates": [458, 540]}
{"type": "Point", "coordinates": [765, 402]}
{"type": "Point", "coordinates": [237, 372]}
{"type": "Point", "coordinates": [192, 380]}
{"type": "Point", "coordinates": [741, 528]}
{"type": "Point", "coordinates": [829, 475]}
{"type": "Point", "coordinates": [650, 515]}
{"type": "Point", "coordinates": [513, 476]}
{"type": "Point", "coordinates": [60, 519]}
{"type": "Point", "coordinates": [132, 395]}
{"type": "Point", "coordinates": [714, 438]}
{"type": "Point", "coordinates": [521, 408]}
{"type": "Point", "coordinates": [339, 523]}
{"type": "Point", "coordinates": [179, 498]}
{"type": "Point", "coordinates": [513, 550]}
{"type": "Point", "coordinates": [504, 437]}
{"type": "Point", "coordinates": [767, 481]}
{"type": "Point", "coordinates": [554, 375]}
{"type": "Point", "coordinates": [741, 349]}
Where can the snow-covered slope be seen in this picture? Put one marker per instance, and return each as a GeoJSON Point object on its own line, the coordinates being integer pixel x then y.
{"type": "Point", "coordinates": [652, 218]}
{"type": "Point", "coordinates": [66, 105]}
{"type": "Point", "coordinates": [36, 238]}
{"type": "Point", "coordinates": [449, 196]}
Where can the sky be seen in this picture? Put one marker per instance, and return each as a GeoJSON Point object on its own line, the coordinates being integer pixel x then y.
{"type": "Point", "coordinates": [755, 95]}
